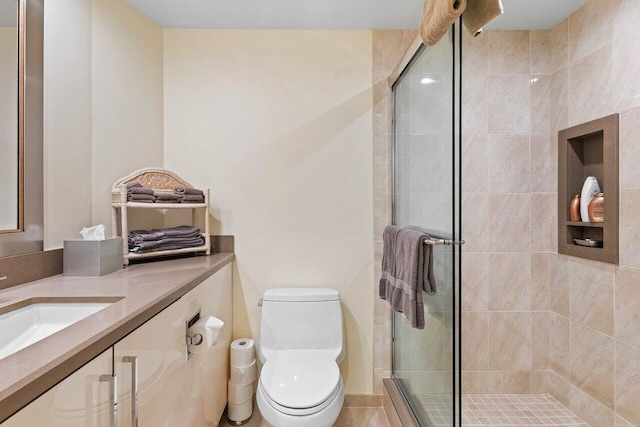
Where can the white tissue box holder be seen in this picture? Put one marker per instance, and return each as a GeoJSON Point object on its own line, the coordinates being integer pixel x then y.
{"type": "Point", "coordinates": [92, 257]}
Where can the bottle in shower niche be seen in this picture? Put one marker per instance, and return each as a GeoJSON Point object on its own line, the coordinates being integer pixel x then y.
{"type": "Point", "coordinates": [574, 208]}
{"type": "Point", "coordinates": [589, 189]}
{"type": "Point", "coordinates": [596, 208]}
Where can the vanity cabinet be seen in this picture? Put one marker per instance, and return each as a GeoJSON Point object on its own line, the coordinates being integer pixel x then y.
{"type": "Point", "coordinates": [172, 388]}
{"type": "Point", "coordinates": [81, 400]}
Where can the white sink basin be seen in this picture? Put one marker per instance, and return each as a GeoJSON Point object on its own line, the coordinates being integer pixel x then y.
{"type": "Point", "coordinates": [29, 324]}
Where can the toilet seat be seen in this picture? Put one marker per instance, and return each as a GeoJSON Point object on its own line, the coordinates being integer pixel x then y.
{"type": "Point", "coordinates": [300, 382]}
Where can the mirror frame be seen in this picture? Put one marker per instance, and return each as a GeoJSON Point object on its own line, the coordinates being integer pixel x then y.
{"type": "Point", "coordinates": [28, 237]}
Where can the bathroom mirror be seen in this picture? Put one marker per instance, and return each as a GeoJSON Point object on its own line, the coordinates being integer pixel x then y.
{"type": "Point", "coordinates": [10, 141]}
{"type": "Point", "coordinates": [21, 40]}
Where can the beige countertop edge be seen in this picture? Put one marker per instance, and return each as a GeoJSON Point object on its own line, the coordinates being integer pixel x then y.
{"type": "Point", "coordinates": [141, 291]}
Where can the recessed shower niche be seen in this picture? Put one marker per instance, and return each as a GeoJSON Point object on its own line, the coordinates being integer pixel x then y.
{"type": "Point", "coordinates": [589, 149]}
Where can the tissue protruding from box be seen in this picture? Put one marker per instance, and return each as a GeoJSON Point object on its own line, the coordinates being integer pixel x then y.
{"type": "Point", "coordinates": [92, 257]}
{"type": "Point", "coordinates": [93, 233]}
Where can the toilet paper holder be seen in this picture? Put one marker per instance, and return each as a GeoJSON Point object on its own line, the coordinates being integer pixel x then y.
{"type": "Point", "coordinates": [196, 339]}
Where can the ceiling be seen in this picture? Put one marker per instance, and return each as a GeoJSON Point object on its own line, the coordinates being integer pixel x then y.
{"type": "Point", "coordinates": [335, 14]}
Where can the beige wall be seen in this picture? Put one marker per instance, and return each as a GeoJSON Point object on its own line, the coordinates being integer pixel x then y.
{"type": "Point", "coordinates": [8, 128]}
{"type": "Point", "coordinates": [67, 120]}
{"type": "Point", "coordinates": [127, 102]}
{"type": "Point", "coordinates": [278, 124]}
{"type": "Point", "coordinates": [103, 108]}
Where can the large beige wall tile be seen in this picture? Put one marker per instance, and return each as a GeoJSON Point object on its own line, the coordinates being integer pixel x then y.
{"type": "Point", "coordinates": [540, 278]}
{"type": "Point", "coordinates": [590, 28]}
{"type": "Point", "coordinates": [540, 51]}
{"type": "Point", "coordinates": [475, 281]}
{"type": "Point", "coordinates": [591, 86]}
{"type": "Point", "coordinates": [475, 103]}
{"type": "Point", "coordinates": [509, 104]}
{"type": "Point", "coordinates": [509, 52]}
{"type": "Point", "coordinates": [540, 382]}
{"type": "Point", "coordinates": [475, 163]}
{"type": "Point", "coordinates": [627, 384]}
{"type": "Point", "coordinates": [509, 282]}
{"type": "Point", "coordinates": [475, 54]}
{"type": "Point", "coordinates": [510, 341]}
{"type": "Point", "coordinates": [627, 314]}
{"type": "Point", "coordinates": [540, 163]}
{"type": "Point", "coordinates": [493, 382]}
{"type": "Point", "coordinates": [589, 409]}
{"type": "Point", "coordinates": [508, 161]}
{"type": "Point", "coordinates": [559, 345]}
{"type": "Point", "coordinates": [540, 103]}
{"type": "Point", "coordinates": [559, 39]}
{"type": "Point", "coordinates": [475, 222]}
{"type": "Point", "coordinates": [592, 363]}
{"type": "Point", "coordinates": [559, 104]}
{"type": "Point", "coordinates": [541, 222]}
{"type": "Point", "coordinates": [630, 148]}
{"type": "Point", "coordinates": [475, 341]}
{"type": "Point", "coordinates": [592, 304]}
{"type": "Point", "coordinates": [540, 340]}
{"type": "Point", "coordinates": [560, 389]}
{"type": "Point", "coordinates": [559, 288]}
{"type": "Point", "coordinates": [626, 69]}
{"type": "Point", "coordinates": [509, 222]}
{"type": "Point", "coordinates": [630, 228]}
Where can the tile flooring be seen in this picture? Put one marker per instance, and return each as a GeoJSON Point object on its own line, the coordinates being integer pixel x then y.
{"type": "Point", "coordinates": [501, 410]}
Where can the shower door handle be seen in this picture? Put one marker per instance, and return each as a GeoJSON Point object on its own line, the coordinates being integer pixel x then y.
{"type": "Point", "coordinates": [443, 242]}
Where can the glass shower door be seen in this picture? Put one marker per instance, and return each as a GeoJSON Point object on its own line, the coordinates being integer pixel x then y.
{"type": "Point", "coordinates": [426, 195]}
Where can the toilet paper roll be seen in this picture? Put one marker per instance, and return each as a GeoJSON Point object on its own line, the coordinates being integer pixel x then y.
{"type": "Point", "coordinates": [242, 375]}
{"type": "Point", "coordinates": [239, 412]}
{"type": "Point", "coordinates": [239, 393]}
{"type": "Point", "coordinates": [243, 352]}
{"type": "Point", "coordinates": [204, 333]}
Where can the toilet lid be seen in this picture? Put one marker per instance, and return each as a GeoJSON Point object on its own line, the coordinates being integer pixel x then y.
{"type": "Point", "coordinates": [299, 378]}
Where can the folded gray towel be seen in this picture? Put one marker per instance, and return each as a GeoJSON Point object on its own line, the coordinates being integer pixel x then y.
{"type": "Point", "coordinates": [188, 190]}
{"type": "Point", "coordinates": [141, 190]}
{"type": "Point", "coordinates": [169, 241]}
{"type": "Point", "coordinates": [407, 270]}
{"type": "Point", "coordinates": [166, 197]}
{"type": "Point", "coordinates": [149, 198]}
{"type": "Point", "coordinates": [135, 184]}
{"type": "Point", "coordinates": [191, 198]}
{"type": "Point", "coordinates": [186, 231]}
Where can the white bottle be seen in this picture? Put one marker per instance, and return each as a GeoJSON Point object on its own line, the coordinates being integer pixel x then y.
{"type": "Point", "coordinates": [589, 189]}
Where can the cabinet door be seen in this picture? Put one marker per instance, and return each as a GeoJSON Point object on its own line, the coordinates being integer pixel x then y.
{"type": "Point", "coordinates": [207, 373]}
{"type": "Point", "coordinates": [174, 391]}
{"type": "Point", "coordinates": [81, 400]}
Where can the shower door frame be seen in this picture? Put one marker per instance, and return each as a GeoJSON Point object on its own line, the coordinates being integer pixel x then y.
{"type": "Point", "coordinates": [414, 50]}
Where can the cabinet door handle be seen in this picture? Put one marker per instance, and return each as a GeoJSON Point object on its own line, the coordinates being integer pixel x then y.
{"type": "Point", "coordinates": [113, 398]}
{"type": "Point", "coordinates": [133, 360]}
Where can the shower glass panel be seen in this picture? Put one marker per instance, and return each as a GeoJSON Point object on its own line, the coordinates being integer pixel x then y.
{"type": "Point", "coordinates": [426, 194]}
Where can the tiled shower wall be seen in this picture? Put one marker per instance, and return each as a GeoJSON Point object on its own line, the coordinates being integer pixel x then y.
{"type": "Point", "coordinates": [594, 61]}
{"type": "Point", "coordinates": [506, 205]}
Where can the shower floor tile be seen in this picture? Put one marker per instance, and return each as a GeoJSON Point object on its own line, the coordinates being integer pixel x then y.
{"type": "Point", "coordinates": [501, 410]}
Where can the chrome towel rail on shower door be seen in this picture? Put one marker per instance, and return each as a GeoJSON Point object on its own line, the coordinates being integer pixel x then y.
{"type": "Point", "coordinates": [443, 242]}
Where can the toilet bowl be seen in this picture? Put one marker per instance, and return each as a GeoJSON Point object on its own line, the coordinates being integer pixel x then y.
{"type": "Point", "coordinates": [300, 345]}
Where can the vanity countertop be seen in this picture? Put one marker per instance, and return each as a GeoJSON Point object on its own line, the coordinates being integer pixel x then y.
{"type": "Point", "coordinates": [140, 291]}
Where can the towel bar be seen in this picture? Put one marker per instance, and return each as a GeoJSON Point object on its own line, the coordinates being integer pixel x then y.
{"type": "Point", "coordinates": [443, 242]}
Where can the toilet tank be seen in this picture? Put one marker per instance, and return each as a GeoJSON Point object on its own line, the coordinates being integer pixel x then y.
{"type": "Point", "coordinates": [301, 319]}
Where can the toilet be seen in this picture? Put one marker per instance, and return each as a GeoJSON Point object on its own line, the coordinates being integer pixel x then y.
{"type": "Point", "coordinates": [300, 344]}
